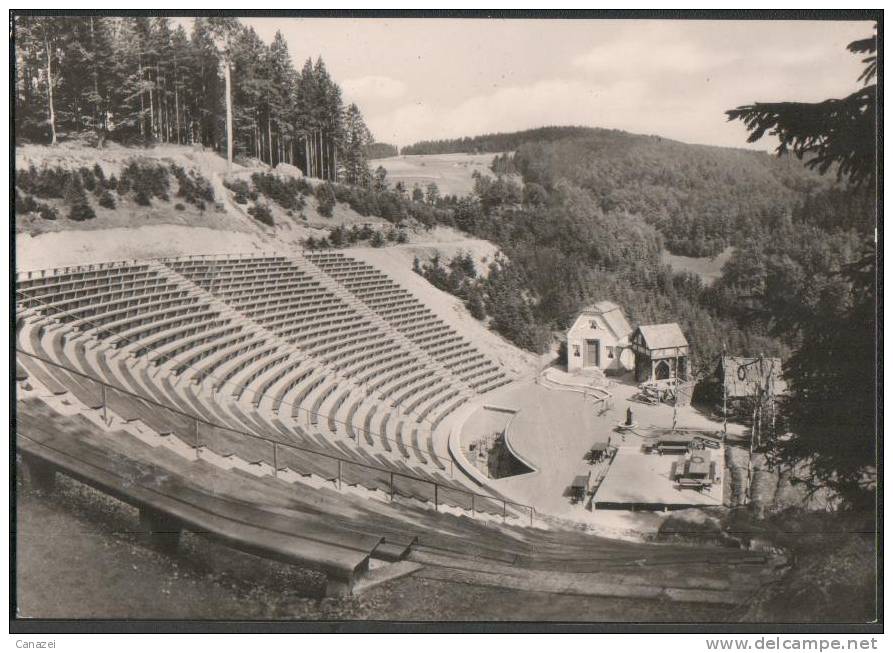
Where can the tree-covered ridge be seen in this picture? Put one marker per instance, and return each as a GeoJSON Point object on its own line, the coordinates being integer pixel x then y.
{"type": "Point", "coordinates": [501, 142]}
{"type": "Point", "coordinates": [580, 228]}
{"type": "Point", "coordinates": [700, 198]}
{"type": "Point", "coordinates": [140, 80]}
{"type": "Point", "coordinates": [381, 150]}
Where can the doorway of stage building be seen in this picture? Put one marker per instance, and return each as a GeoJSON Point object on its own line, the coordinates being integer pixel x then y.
{"type": "Point", "coordinates": [593, 353]}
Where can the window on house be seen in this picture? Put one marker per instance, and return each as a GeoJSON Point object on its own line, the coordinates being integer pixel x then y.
{"type": "Point", "coordinates": [577, 350]}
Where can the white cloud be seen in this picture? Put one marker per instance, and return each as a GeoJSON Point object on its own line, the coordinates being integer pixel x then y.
{"type": "Point", "coordinates": [374, 87]}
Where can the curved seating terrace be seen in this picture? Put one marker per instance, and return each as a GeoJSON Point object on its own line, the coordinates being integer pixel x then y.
{"type": "Point", "coordinates": [351, 353]}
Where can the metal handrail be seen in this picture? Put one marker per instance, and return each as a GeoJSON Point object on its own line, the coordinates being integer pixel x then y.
{"type": "Point", "coordinates": [276, 443]}
{"type": "Point", "coordinates": [203, 376]}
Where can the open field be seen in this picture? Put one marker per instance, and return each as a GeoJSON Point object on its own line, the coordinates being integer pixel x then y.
{"type": "Point", "coordinates": [451, 172]}
{"type": "Point", "coordinates": [706, 267]}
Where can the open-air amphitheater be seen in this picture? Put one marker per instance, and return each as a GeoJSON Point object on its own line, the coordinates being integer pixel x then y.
{"type": "Point", "coordinates": [301, 408]}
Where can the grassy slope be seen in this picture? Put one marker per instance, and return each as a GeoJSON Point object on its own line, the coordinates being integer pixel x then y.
{"type": "Point", "coordinates": [133, 231]}
{"type": "Point", "coordinates": [451, 172]}
{"type": "Point", "coordinates": [709, 268]}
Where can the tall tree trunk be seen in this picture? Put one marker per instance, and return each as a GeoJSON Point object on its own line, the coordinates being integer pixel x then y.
{"type": "Point", "coordinates": [313, 153]}
{"type": "Point", "coordinates": [98, 117]}
{"type": "Point", "coordinates": [46, 42]}
{"type": "Point", "coordinates": [258, 146]}
{"type": "Point", "coordinates": [152, 109]}
{"type": "Point", "coordinates": [269, 139]}
{"type": "Point", "coordinates": [142, 100]}
{"type": "Point", "coordinates": [229, 112]}
{"type": "Point", "coordinates": [321, 155]}
{"type": "Point", "coordinates": [177, 107]}
{"type": "Point", "coordinates": [307, 156]}
{"type": "Point", "coordinates": [162, 104]}
{"type": "Point", "coordinates": [325, 155]}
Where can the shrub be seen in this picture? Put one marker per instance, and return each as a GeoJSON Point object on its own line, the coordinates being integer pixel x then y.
{"type": "Point", "coordinates": [25, 204]}
{"type": "Point", "coordinates": [179, 206]}
{"type": "Point", "coordinates": [147, 179]}
{"type": "Point", "coordinates": [88, 178]}
{"type": "Point", "coordinates": [106, 200]}
{"type": "Point", "coordinates": [377, 240]}
{"type": "Point", "coordinates": [123, 185]}
{"type": "Point", "coordinates": [81, 212]}
{"type": "Point", "coordinates": [286, 192]}
{"type": "Point", "coordinates": [240, 189]}
{"type": "Point", "coordinates": [325, 197]}
{"type": "Point", "coordinates": [261, 213]}
{"type": "Point", "coordinates": [193, 188]}
{"type": "Point", "coordinates": [76, 199]}
{"type": "Point", "coordinates": [402, 237]}
{"type": "Point", "coordinates": [46, 182]}
{"type": "Point", "coordinates": [475, 306]}
{"type": "Point", "coordinates": [47, 212]}
{"type": "Point", "coordinates": [336, 236]}
{"type": "Point", "coordinates": [142, 198]}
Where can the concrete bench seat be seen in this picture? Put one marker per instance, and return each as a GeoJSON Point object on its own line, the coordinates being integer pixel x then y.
{"type": "Point", "coordinates": [250, 356]}
{"type": "Point", "coordinates": [77, 291]}
{"type": "Point", "coordinates": [110, 324]}
{"type": "Point", "coordinates": [169, 335]}
{"type": "Point", "coordinates": [97, 311]}
{"type": "Point", "coordinates": [244, 380]}
{"type": "Point", "coordinates": [203, 356]}
{"type": "Point", "coordinates": [170, 343]}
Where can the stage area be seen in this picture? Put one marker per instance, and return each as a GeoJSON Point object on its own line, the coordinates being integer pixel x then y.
{"type": "Point", "coordinates": [643, 481]}
{"type": "Point", "coordinates": [554, 430]}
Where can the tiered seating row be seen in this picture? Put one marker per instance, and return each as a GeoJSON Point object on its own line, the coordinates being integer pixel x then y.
{"type": "Point", "coordinates": [408, 315]}
{"type": "Point", "coordinates": [289, 301]}
{"type": "Point", "coordinates": [119, 319]}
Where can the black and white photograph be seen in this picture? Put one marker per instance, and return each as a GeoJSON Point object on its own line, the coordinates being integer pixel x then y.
{"type": "Point", "coordinates": [397, 320]}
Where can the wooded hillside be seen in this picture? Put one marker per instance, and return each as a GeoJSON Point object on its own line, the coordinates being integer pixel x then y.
{"type": "Point", "coordinates": [140, 80]}
{"type": "Point", "coordinates": [502, 142]}
{"type": "Point", "coordinates": [700, 198]}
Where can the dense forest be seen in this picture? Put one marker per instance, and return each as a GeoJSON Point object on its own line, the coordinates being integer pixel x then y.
{"type": "Point", "coordinates": [381, 150]}
{"type": "Point", "coordinates": [700, 198]}
{"type": "Point", "coordinates": [587, 222]}
{"type": "Point", "coordinates": [141, 80]}
{"type": "Point", "coordinates": [502, 142]}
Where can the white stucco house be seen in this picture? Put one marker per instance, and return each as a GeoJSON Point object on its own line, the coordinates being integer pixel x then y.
{"type": "Point", "coordinates": [599, 338]}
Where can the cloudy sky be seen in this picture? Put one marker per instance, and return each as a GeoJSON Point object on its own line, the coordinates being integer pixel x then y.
{"type": "Point", "coordinates": [420, 79]}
